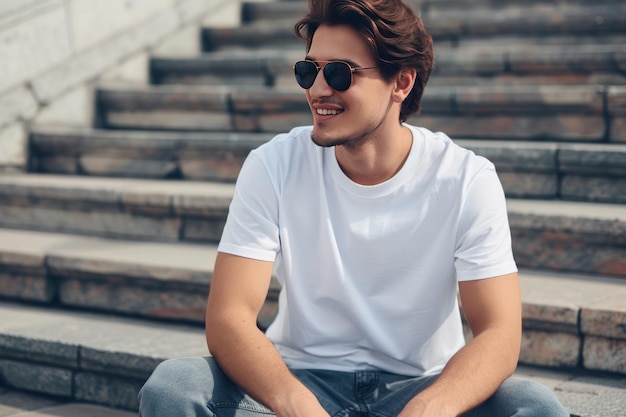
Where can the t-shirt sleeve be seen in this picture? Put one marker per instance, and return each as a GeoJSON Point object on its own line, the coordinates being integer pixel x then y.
{"type": "Point", "coordinates": [251, 228]}
{"type": "Point", "coordinates": [483, 248]}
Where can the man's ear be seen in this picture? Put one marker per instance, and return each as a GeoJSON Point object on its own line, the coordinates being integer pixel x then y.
{"type": "Point", "coordinates": [404, 84]}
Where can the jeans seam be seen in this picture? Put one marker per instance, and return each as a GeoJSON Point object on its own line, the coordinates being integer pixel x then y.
{"type": "Point", "coordinates": [347, 409]}
{"type": "Point", "coordinates": [213, 406]}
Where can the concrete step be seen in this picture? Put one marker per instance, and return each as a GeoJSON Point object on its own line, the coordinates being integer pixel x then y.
{"type": "Point", "coordinates": [573, 320]}
{"type": "Point", "coordinates": [255, 67]}
{"type": "Point", "coordinates": [564, 171]}
{"type": "Point", "coordinates": [251, 11]}
{"type": "Point", "coordinates": [551, 234]}
{"type": "Point", "coordinates": [592, 172]}
{"type": "Point", "coordinates": [87, 357]}
{"type": "Point", "coordinates": [165, 211]}
{"type": "Point", "coordinates": [587, 113]}
{"type": "Point", "coordinates": [491, 63]}
{"type": "Point", "coordinates": [572, 324]}
{"type": "Point", "coordinates": [199, 156]}
{"type": "Point", "coordinates": [444, 24]}
{"type": "Point", "coordinates": [568, 236]}
{"type": "Point", "coordinates": [522, 63]}
{"type": "Point", "coordinates": [15, 403]}
{"type": "Point", "coordinates": [547, 19]}
{"type": "Point", "coordinates": [148, 279]}
{"type": "Point", "coordinates": [294, 9]}
{"type": "Point", "coordinates": [460, 4]}
{"type": "Point", "coordinates": [275, 33]}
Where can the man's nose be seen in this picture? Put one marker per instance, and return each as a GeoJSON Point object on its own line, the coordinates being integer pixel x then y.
{"type": "Point", "coordinates": [320, 87]}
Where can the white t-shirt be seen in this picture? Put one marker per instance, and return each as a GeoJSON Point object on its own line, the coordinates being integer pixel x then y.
{"type": "Point", "coordinates": [369, 273]}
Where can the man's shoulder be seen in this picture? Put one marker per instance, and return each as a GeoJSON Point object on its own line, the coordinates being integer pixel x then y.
{"type": "Point", "coordinates": [438, 147]}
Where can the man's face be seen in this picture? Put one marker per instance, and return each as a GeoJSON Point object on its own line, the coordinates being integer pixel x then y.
{"type": "Point", "coordinates": [358, 114]}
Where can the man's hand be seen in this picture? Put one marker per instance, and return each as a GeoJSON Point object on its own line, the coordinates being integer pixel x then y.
{"type": "Point", "coordinates": [302, 404]}
{"type": "Point", "coordinates": [419, 407]}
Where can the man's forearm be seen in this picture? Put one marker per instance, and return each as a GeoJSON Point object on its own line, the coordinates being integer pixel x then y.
{"type": "Point", "coordinates": [238, 290]}
{"type": "Point", "coordinates": [471, 376]}
{"type": "Point", "coordinates": [246, 355]}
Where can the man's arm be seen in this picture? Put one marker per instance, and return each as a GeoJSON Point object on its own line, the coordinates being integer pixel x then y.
{"type": "Point", "coordinates": [238, 290]}
{"type": "Point", "coordinates": [493, 311]}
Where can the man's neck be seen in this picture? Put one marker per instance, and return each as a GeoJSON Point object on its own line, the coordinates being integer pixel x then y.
{"type": "Point", "coordinates": [377, 159]}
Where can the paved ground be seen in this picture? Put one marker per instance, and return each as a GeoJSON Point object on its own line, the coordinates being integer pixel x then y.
{"type": "Point", "coordinates": [585, 395]}
{"type": "Point", "coordinates": [20, 404]}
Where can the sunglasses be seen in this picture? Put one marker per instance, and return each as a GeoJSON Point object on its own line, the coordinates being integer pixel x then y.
{"type": "Point", "coordinates": [338, 74]}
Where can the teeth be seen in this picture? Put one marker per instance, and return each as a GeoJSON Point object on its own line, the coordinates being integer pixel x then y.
{"type": "Point", "coordinates": [327, 112]}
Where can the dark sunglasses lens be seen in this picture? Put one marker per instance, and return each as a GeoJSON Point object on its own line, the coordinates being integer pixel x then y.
{"type": "Point", "coordinates": [305, 73]}
{"type": "Point", "coordinates": [338, 75]}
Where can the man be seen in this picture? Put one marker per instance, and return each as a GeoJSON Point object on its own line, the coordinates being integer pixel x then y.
{"type": "Point", "coordinates": [371, 226]}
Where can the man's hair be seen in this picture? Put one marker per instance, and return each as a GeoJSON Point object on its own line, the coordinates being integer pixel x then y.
{"type": "Point", "coordinates": [394, 31]}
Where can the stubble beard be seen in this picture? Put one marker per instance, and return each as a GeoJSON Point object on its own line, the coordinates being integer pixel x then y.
{"type": "Point", "coordinates": [331, 143]}
{"type": "Point", "coordinates": [351, 141]}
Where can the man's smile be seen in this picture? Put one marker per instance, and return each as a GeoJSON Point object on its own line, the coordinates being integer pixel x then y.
{"type": "Point", "coordinates": [328, 112]}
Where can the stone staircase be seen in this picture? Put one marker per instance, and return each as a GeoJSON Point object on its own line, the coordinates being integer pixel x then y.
{"type": "Point", "coordinates": [108, 242]}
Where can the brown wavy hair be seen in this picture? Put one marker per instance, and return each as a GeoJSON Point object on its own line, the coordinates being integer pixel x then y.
{"type": "Point", "coordinates": [394, 31]}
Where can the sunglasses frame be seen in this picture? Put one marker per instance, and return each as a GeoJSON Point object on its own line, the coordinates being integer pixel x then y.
{"type": "Point", "coordinates": [323, 69]}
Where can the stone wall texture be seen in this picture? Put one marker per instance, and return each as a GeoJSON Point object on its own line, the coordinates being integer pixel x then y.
{"type": "Point", "coordinates": [51, 48]}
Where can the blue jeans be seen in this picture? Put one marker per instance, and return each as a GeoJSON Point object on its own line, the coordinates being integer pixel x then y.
{"type": "Point", "coordinates": [194, 387]}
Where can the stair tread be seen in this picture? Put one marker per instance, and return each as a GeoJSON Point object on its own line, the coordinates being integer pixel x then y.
{"type": "Point", "coordinates": [573, 291]}
{"type": "Point", "coordinates": [541, 288]}
{"type": "Point", "coordinates": [34, 247]}
{"type": "Point", "coordinates": [582, 113]}
{"type": "Point", "coordinates": [483, 20]}
{"type": "Point", "coordinates": [119, 342]}
{"type": "Point", "coordinates": [213, 189]}
{"type": "Point", "coordinates": [105, 256]}
{"type": "Point", "coordinates": [217, 91]}
{"type": "Point", "coordinates": [500, 99]}
{"type": "Point", "coordinates": [72, 132]}
{"type": "Point", "coordinates": [140, 337]}
{"type": "Point", "coordinates": [189, 264]}
{"type": "Point", "coordinates": [54, 407]}
{"type": "Point", "coordinates": [57, 135]}
{"type": "Point", "coordinates": [528, 64]}
{"type": "Point", "coordinates": [476, 13]}
{"type": "Point", "coordinates": [94, 188]}
{"type": "Point", "coordinates": [572, 209]}
{"type": "Point", "coordinates": [478, 51]}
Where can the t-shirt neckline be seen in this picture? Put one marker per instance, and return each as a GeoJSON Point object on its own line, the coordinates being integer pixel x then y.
{"type": "Point", "coordinates": [384, 188]}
